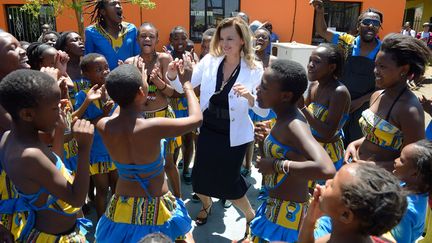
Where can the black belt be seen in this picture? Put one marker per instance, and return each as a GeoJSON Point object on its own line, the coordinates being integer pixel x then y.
{"type": "Point", "coordinates": [220, 113]}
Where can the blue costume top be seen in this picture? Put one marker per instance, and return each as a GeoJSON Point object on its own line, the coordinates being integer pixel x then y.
{"type": "Point", "coordinates": [429, 131]}
{"type": "Point", "coordinates": [98, 153]}
{"type": "Point", "coordinates": [25, 203]}
{"type": "Point", "coordinates": [283, 222]}
{"type": "Point", "coordinates": [99, 41]}
{"type": "Point", "coordinates": [131, 172]}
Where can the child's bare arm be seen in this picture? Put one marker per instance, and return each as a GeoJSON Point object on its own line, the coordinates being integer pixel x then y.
{"type": "Point", "coordinates": [42, 171]}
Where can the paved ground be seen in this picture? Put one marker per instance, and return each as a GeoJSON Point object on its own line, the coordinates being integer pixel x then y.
{"type": "Point", "coordinates": [225, 225]}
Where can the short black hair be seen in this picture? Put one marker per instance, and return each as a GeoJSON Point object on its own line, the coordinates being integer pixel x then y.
{"type": "Point", "coordinates": [148, 24]}
{"type": "Point", "coordinates": [375, 198]}
{"type": "Point", "coordinates": [407, 50]}
{"type": "Point", "coordinates": [23, 89]}
{"type": "Point", "coordinates": [123, 83]}
{"type": "Point", "coordinates": [291, 76]}
{"type": "Point", "coordinates": [423, 156]}
{"type": "Point", "coordinates": [87, 59]}
{"type": "Point", "coordinates": [62, 40]}
{"type": "Point", "coordinates": [34, 54]}
{"type": "Point", "coordinates": [335, 55]}
{"type": "Point", "coordinates": [371, 10]}
{"type": "Point", "coordinates": [51, 32]}
{"type": "Point", "coordinates": [177, 28]}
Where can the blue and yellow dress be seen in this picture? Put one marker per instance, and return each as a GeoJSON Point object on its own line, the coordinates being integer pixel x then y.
{"type": "Point", "coordinates": [114, 49]}
{"type": "Point", "coordinates": [276, 219]}
{"type": "Point", "coordinates": [380, 132]}
{"type": "Point", "coordinates": [128, 219]}
{"type": "Point", "coordinates": [11, 218]}
{"type": "Point", "coordinates": [31, 234]}
{"type": "Point", "coordinates": [335, 149]}
{"type": "Point", "coordinates": [70, 149]}
{"type": "Point", "coordinates": [100, 161]}
{"type": "Point", "coordinates": [166, 112]}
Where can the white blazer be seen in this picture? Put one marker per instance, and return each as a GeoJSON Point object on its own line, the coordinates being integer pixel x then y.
{"type": "Point", "coordinates": [205, 73]}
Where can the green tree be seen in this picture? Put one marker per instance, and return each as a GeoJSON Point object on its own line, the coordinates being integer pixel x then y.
{"type": "Point", "coordinates": [34, 6]}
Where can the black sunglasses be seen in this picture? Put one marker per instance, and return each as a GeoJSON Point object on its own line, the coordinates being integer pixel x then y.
{"type": "Point", "coordinates": [373, 22]}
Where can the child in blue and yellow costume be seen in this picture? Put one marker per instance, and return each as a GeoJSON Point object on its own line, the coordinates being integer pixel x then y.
{"type": "Point", "coordinates": [142, 203]}
{"type": "Point", "coordinates": [292, 156]}
{"type": "Point", "coordinates": [102, 169]}
{"type": "Point", "coordinates": [179, 40]}
{"type": "Point", "coordinates": [107, 16]}
{"type": "Point", "coordinates": [45, 188]}
{"type": "Point", "coordinates": [328, 101]}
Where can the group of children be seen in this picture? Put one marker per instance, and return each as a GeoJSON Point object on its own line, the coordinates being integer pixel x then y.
{"type": "Point", "coordinates": [71, 119]}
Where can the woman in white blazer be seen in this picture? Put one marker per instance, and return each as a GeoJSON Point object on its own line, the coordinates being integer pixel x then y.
{"type": "Point", "coordinates": [228, 77]}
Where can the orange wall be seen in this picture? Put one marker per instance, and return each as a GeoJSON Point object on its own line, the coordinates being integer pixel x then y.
{"type": "Point", "coordinates": [280, 12]}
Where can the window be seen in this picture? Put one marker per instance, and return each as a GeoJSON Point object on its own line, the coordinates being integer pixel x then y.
{"type": "Point", "coordinates": [26, 27]}
{"type": "Point", "coordinates": [339, 16]}
{"type": "Point", "coordinates": [208, 13]}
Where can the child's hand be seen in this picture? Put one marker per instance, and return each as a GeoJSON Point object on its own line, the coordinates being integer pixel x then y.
{"type": "Point", "coordinates": [265, 165]}
{"type": "Point", "coordinates": [62, 59]}
{"type": "Point", "coordinates": [64, 89]}
{"type": "Point", "coordinates": [63, 123]}
{"type": "Point", "coordinates": [184, 69]}
{"type": "Point", "coordinates": [155, 76]}
{"type": "Point", "coordinates": [172, 69]}
{"type": "Point", "coordinates": [427, 104]}
{"type": "Point", "coordinates": [262, 130]}
{"type": "Point", "coordinates": [351, 154]}
{"type": "Point", "coordinates": [314, 212]}
{"type": "Point", "coordinates": [53, 72]}
{"type": "Point", "coordinates": [107, 107]}
{"type": "Point", "coordinates": [166, 50]}
{"type": "Point", "coordinates": [83, 132]}
{"type": "Point", "coordinates": [95, 92]}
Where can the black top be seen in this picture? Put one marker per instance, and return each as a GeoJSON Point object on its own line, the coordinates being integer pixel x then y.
{"type": "Point", "coordinates": [219, 102]}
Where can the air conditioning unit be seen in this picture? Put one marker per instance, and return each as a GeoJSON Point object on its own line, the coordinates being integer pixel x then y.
{"type": "Point", "coordinates": [293, 51]}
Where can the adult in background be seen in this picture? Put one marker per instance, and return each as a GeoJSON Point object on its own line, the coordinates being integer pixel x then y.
{"type": "Point", "coordinates": [425, 35]}
{"type": "Point", "coordinates": [273, 36]}
{"type": "Point", "coordinates": [110, 35]}
{"type": "Point", "coordinates": [228, 77]}
{"type": "Point", "coordinates": [406, 30]}
{"type": "Point", "coordinates": [360, 52]}
{"type": "Point", "coordinates": [44, 28]}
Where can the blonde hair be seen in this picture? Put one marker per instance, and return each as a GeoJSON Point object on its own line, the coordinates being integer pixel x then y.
{"type": "Point", "coordinates": [247, 51]}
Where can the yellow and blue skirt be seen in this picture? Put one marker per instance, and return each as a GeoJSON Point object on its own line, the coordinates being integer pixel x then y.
{"type": "Point", "coordinates": [104, 165]}
{"type": "Point", "coordinates": [77, 235]}
{"type": "Point", "coordinates": [277, 220]}
{"type": "Point", "coordinates": [12, 220]}
{"type": "Point", "coordinates": [167, 112]}
{"type": "Point", "coordinates": [128, 219]}
{"type": "Point", "coordinates": [336, 152]}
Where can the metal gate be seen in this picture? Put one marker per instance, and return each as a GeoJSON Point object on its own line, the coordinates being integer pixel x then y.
{"type": "Point", "coordinates": [26, 27]}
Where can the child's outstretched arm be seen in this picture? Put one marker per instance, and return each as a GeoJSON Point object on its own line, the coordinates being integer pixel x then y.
{"type": "Point", "coordinates": [166, 127]}
{"type": "Point", "coordinates": [93, 94]}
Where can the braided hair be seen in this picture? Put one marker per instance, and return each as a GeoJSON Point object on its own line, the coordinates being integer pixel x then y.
{"type": "Point", "coordinates": [96, 6]}
{"type": "Point", "coordinates": [424, 164]}
{"type": "Point", "coordinates": [34, 53]}
{"type": "Point", "coordinates": [375, 198]}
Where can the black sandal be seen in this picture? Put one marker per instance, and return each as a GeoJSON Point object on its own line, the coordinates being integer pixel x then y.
{"type": "Point", "coordinates": [247, 234]}
{"type": "Point", "coordinates": [203, 220]}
